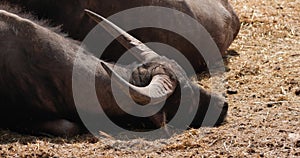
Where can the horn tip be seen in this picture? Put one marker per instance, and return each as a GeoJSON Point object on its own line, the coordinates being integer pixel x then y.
{"type": "Point", "coordinates": [88, 12]}
{"type": "Point", "coordinates": [94, 15]}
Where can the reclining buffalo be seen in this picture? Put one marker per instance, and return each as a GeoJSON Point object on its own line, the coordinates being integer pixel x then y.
{"type": "Point", "coordinates": [217, 16]}
{"type": "Point", "coordinates": [37, 64]}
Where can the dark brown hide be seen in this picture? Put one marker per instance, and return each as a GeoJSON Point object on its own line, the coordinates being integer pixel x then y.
{"type": "Point", "coordinates": [36, 96]}
{"type": "Point", "coordinates": [217, 16]}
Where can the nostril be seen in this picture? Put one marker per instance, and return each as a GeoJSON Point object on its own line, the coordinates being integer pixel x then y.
{"type": "Point", "coordinates": [225, 106]}
{"type": "Point", "coordinates": [223, 114]}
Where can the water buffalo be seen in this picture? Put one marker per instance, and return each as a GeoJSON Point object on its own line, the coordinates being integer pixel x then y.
{"type": "Point", "coordinates": [36, 95]}
{"type": "Point", "coordinates": [217, 16]}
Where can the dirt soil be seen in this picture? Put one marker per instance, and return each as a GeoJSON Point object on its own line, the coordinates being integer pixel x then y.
{"type": "Point", "coordinates": [263, 91]}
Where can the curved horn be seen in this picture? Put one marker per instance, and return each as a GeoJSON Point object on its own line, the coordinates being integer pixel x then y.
{"type": "Point", "coordinates": [140, 50]}
{"type": "Point", "coordinates": [159, 89]}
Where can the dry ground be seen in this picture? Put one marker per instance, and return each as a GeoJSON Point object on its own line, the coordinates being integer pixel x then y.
{"type": "Point", "coordinates": [263, 87]}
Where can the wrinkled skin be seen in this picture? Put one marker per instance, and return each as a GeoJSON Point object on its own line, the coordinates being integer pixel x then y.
{"type": "Point", "coordinates": [217, 16]}
{"type": "Point", "coordinates": [36, 83]}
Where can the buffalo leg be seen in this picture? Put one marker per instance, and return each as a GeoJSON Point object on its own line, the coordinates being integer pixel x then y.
{"type": "Point", "coordinates": [59, 127]}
